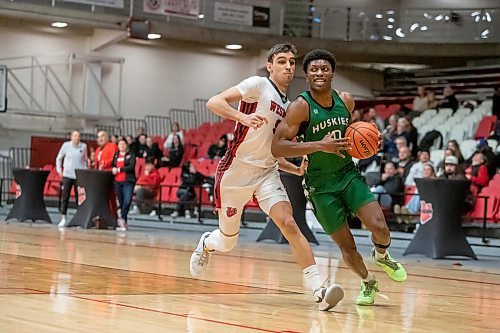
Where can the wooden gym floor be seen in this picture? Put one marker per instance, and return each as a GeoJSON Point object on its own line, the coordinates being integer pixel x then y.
{"type": "Point", "coordinates": [104, 281]}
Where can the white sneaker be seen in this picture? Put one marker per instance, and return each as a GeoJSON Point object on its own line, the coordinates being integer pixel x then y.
{"type": "Point", "coordinates": [200, 257]}
{"type": "Point", "coordinates": [328, 297]}
{"type": "Point", "coordinates": [174, 214]}
{"type": "Point", "coordinates": [122, 226]}
{"type": "Point", "coordinates": [63, 222]}
{"type": "Point", "coordinates": [187, 214]}
{"type": "Point", "coordinates": [153, 213]}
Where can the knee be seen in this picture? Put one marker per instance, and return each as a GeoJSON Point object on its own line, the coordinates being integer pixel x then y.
{"type": "Point", "coordinates": [290, 228]}
{"type": "Point", "coordinates": [380, 227]}
{"type": "Point", "coordinates": [228, 243]}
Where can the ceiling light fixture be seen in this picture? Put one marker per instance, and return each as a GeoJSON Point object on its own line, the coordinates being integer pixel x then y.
{"type": "Point", "coordinates": [390, 26]}
{"type": "Point", "coordinates": [379, 16]}
{"type": "Point", "coordinates": [390, 12]}
{"type": "Point", "coordinates": [391, 19]}
{"type": "Point", "coordinates": [59, 24]}
{"type": "Point", "coordinates": [424, 28]}
{"type": "Point", "coordinates": [201, 16]}
{"type": "Point", "coordinates": [414, 26]}
{"type": "Point", "coordinates": [427, 15]}
{"type": "Point", "coordinates": [154, 36]}
{"type": "Point", "coordinates": [439, 17]}
{"type": "Point", "coordinates": [234, 47]}
{"type": "Point", "coordinates": [387, 37]}
{"type": "Point", "coordinates": [399, 32]}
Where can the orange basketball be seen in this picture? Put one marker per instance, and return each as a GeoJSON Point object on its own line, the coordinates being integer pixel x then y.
{"type": "Point", "coordinates": [364, 138]}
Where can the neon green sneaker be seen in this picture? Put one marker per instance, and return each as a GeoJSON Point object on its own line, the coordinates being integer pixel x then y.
{"type": "Point", "coordinates": [393, 268]}
{"type": "Point", "coordinates": [368, 292]}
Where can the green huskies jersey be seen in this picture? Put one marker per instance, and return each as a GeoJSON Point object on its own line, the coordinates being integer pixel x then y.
{"type": "Point", "coordinates": [322, 121]}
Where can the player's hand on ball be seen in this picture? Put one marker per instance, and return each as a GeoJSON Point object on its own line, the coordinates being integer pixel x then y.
{"type": "Point", "coordinates": [334, 146]}
{"type": "Point", "coordinates": [254, 121]}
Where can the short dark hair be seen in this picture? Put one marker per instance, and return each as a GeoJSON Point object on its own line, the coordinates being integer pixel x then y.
{"type": "Point", "coordinates": [318, 54]}
{"type": "Point", "coordinates": [280, 48]}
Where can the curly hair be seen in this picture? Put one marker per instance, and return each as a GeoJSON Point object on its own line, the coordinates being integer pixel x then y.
{"type": "Point", "coordinates": [318, 54]}
{"type": "Point", "coordinates": [280, 48]}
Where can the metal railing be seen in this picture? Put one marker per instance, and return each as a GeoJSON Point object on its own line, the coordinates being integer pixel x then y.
{"type": "Point", "coordinates": [203, 114]}
{"type": "Point", "coordinates": [111, 129]}
{"type": "Point", "coordinates": [186, 119]}
{"type": "Point", "coordinates": [157, 125]}
{"type": "Point", "coordinates": [130, 126]}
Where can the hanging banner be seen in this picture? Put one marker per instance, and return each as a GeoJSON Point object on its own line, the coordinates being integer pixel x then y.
{"type": "Point", "coordinates": [240, 14]}
{"type": "Point", "coordinates": [103, 3]}
{"type": "Point", "coordinates": [182, 8]}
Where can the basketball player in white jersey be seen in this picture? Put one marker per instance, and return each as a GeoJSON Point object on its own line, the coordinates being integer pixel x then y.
{"type": "Point", "coordinates": [250, 170]}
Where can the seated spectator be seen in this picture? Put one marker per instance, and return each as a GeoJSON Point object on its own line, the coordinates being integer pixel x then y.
{"type": "Point", "coordinates": [218, 150]}
{"type": "Point", "coordinates": [420, 102]}
{"type": "Point", "coordinates": [406, 129]}
{"type": "Point", "coordinates": [491, 162]}
{"type": "Point", "coordinates": [390, 135]}
{"type": "Point", "coordinates": [477, 173]}
{"type": "Point", "coordinates": [405, 162]}
{"type": "Point", "coordinates": [432, 102]}
{"type": "Point", "coordinates": [141, 149]}
{"type": "Point", "coordinates": [455, 147]}
{"type": "Point", "coordinates": [175, 129]}
{"type": "Point", "coordinates": [452, 169]}
{"type": "Point", "coordinates": [417, 169]}
{"type": "Point", "coordinates": [124, 171]}
{"type": "Point", "coordinates": [440, 167]}
{"type": "Point", "coordinates": [153, 152]}
{"type": "Point", "coordinates": [391, 186]}
{"type": "Point", "coordinates": [186, 193]}
{"type": "Point", "coordinates": [114, 139]}
{"type": "Point", "coordinates": [356, 116]}
{"type": "Point", "coordinates": [449, 100]}
{"type": "Point", "coordinates": [175, 154]}
{"type": "Point", "coordinates": [374, 118]}
{"type": "Point", "coordinates": [146, 189]}
{"type": "Point", "coordinates": [130, 142]}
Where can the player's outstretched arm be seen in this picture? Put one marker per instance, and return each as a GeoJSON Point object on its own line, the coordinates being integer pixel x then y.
{"type": "Point", "coordinates": [221, 105]}
{"type": "Point", "coordinates": [289, 167]}
{"type": "Point", "coordinates": [283, 146]}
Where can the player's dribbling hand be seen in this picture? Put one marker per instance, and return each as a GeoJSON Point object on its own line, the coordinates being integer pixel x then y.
{"type": "Point", "coordinates": [254, 121]}
{"type": "Point", "coordinates": [334, 146]}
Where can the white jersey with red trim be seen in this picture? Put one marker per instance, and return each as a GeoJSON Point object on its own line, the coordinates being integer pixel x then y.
{"type": "Point", "coordinates": [253, 146]}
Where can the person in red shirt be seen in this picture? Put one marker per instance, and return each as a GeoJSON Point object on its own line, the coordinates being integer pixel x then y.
{"type": "Point", "coordinates": [477, 173]}
{"type": "Point", "coordinates": [105, 152]}
{"type": "Point", "coordinates": [146, 189]}
{"type": "Point", "coordinates": [123, 167]}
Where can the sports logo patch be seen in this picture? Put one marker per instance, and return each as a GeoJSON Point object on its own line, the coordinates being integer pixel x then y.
{"type": "Point", "coordinates": [18, 191]}
{"type": "Point", "coordinates": [426, 212]}
{"type": "Point", "coordinates": [231, 211]}
{"type": "Point", "coordinates": [82, 195]}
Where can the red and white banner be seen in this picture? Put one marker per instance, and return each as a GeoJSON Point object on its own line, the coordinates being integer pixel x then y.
{"type": "Point", "coordinates": [182, 8]}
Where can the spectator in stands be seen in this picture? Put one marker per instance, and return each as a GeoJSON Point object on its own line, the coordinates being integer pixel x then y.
{"type": "Point", "coordinates": [455, 147]}
{"type": "Point", "coordinates": [175, 154]}
{"type": "Point", "coordinates": [105, 152]}
{"type": "Point", "coordinates": [440, 167]}
{"type": "Point", "coordinates": [175, 129]}
{"type": "Point", "coordinates": [124, 171]}
{"type": "Point", "coordinates": [356, 115]}
{"type": "Point", "coordinates": [496, 102]}
{"type": "Point", "coordinates": [74, 155]}
{"type": "Point", "coordinates": [146, 189]}
{"type": "Point", "coordinates": [141, 149]}
{"type": "Point", "coordinates": [114, 139]}
{"type": "Point", "coordinates": [432, 102]}
{"type": "Point", "coordinates": [406, 129]}
{"type": "Point", "coordinates": [373, 117]}
{"type": "Point", "coordinates": [405, 162]}
{"type": "Point", "coordinates": [477, 173]}
{"type": "Point", "coordinates": [130, 142]}
{"type": "Point", "coordinates": [393, 154]}
{"type": "Point", "coordinates": [153, 152]}
{"type": "Point", "coordinates": [390, 135]}
{"type": "Point", "coordinates": [420, 102]}
{"type": "Point", "coordinates": [449, 100]}
{"type": "Point", "coordinates": [218, 150]}
{"type": "Point", "coordinates": [483, 148]}
{"type": "Point", "coordinates": [417, 169]}
{"type": "Point", "coordinates": [452, 169]}
{"type": "Point", "coordinates": [390, 187]}
{"type": "Point", "coordinates": [186, 193]}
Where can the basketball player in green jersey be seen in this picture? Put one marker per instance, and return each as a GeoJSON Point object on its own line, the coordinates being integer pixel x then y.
{"type": "Point", "coordinates": [333, 184]}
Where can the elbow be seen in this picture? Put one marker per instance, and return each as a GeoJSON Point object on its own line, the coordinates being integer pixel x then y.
{"type": "Point", "coordinates": [211, 103]}
{"type": "Point", "coordinates": [276, 149]}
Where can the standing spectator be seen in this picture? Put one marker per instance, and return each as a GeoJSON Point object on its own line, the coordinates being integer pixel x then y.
{"type": "Point", "coordinates": [175, 129]}
{"type": "Point", "coordinates": [130, 142]}
{"type": "Point", "coordinates": [477, 173]}
{"type": "Point", "coordinates": [74, 154]}
{"type": "Point", "coordinates": [372, 116]}
{"type": "Point", "coordinates": [141, 149]}
{"type": "Point", "coordinates": [405, 162]}
{"type": "Point", "coordinates": [452, 170]}
{"type": "Point", "coordinates": [420, 102]}
{"type": "Point", "coordinates": [124, 171]}
{"type": "Point", "coordinates": [154, 153]}
{"type": "Point", "coordinates": [455, 147]}
{"type": "Point", "coordinates": [186, 193]}
{"type": "Point", "coordinates": [175, 154]}
{"type": "Point", "coordinates": [146, 189]}
{"type": "Point", "coordinates": [218, 150]}
{"type": "Point", "coordinates": [114, 139]}
{"type": "Point", "coordinates": [496, 102]}
{"type": "Point", "coordinates": [417, 169]}
{"type": "Point", "coordinates": [432, 102]}
{"type": "Point", "coordinates": [105, 152]}
{"type": "Point", "coordinates": [449, 100]}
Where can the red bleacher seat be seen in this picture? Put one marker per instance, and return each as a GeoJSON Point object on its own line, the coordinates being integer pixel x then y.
{"type": "Point", "coordinates": [485, 127]}
{"type": "Point", "coordinates": [53, 184]}
{"type": "Point", "coordinates": [493, 205]}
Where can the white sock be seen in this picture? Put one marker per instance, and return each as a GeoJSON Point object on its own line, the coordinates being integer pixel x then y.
{"type": "Point", "coordinates": [379, 255]}
{"type": "Point", "coordinates": [312, 277]}
{"type": "Point", "coordinates": [369, 277]}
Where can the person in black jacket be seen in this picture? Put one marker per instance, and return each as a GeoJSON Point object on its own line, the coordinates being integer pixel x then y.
{"type": "Point", "coordinates": [449, 100]}
{"type": "Point", "coordinates": [124, 171]}
{"type": "Point", "coordinates": [153, 152]}
{"type": "Point", "coordinates": [391, 186]}
{"type": "Point", "coordinates": [175, 155]}
{"type": "Point", "coordinates": [186, 193]}
{"type": "Point", "coordinates": [218, 150]}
